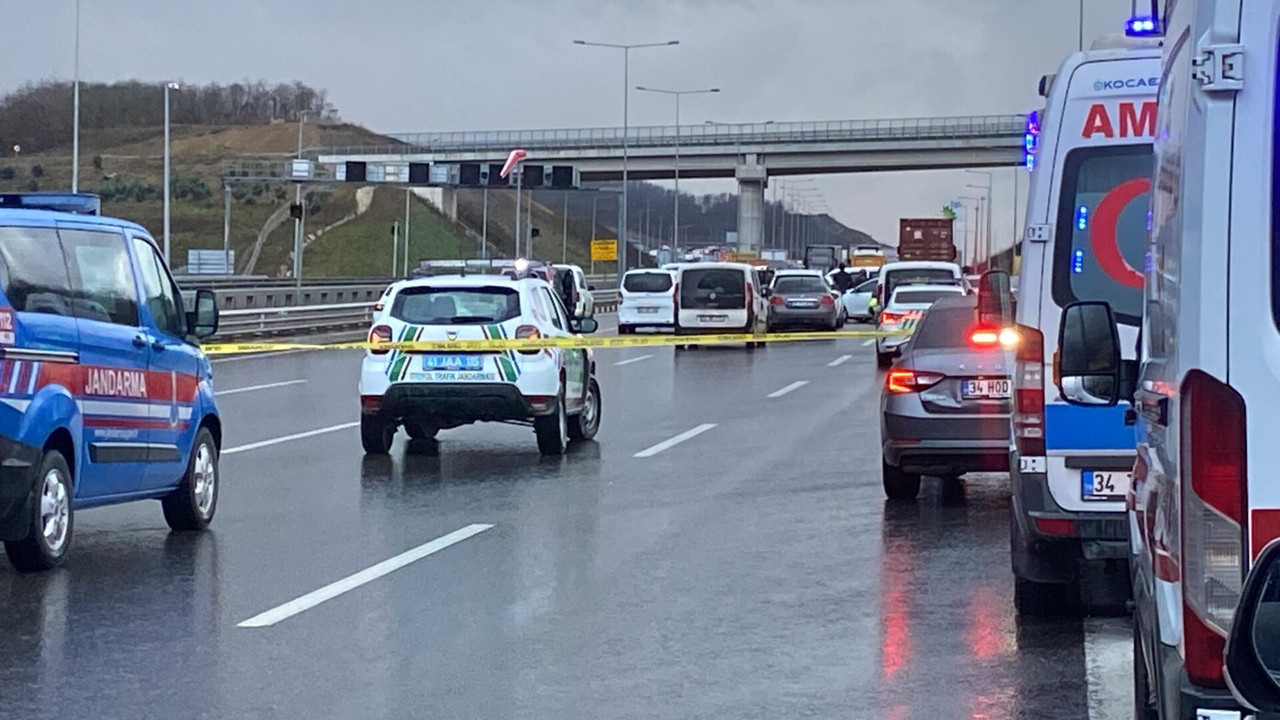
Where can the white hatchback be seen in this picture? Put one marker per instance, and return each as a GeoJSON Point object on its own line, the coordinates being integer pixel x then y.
{"type": "Point", "coordinates": [554, 390]}
{"type": "Point", "coordinates": [647, 300]}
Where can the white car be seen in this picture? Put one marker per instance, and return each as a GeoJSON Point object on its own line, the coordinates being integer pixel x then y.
{"type": "Point", "coordinates": [554, 390]}
{"type": "Point", "coordinates": [647, 300]}
{"type": "Point", "coordinates": [905, 308]}
{"type": "Point", "coordinates": [584, 295]}
{"type": "Point", "coordinates": [857, 301]}
{"type": "Point", "coordinates": [720, 297]}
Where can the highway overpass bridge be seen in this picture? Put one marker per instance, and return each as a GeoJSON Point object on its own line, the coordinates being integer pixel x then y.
{"type": "Point", "coordinates": [749, 152]}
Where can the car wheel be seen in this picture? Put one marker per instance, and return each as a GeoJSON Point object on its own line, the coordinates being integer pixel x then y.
{"type": "Point", "coordinates": [884, 361]}
{"type": "Point", "coordinates": [1143, 708]}
{"type": "Point", "coordinates": [553, 430]}
{"type": "Point", "coordinates": [376, 434]}
{"type": "Point", "coordinates": [586, 424]}
{"type": "Point", "coordinates": [1033, 599]}
{"type": "Point", "coordinates": [899, 485]}
{"type": "Point", "coordinates": [192, 505]}
{"type": "Point", "coordinates": [52, 520]}
{"type": "Point", "coordinates": [420, 431]}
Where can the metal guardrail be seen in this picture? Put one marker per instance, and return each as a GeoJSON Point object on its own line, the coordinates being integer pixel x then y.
{"type": "Point", "coordinates": [731, 134]}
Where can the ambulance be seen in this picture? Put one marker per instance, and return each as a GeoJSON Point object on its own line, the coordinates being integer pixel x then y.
{"type": "Point", "coordinates": [1091, 159]}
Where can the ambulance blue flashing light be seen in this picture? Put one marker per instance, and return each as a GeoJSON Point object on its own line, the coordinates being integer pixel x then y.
{"type": "Point", "coordinates": [1141, 27]}
{"type": "Point", "coordinates": [1031, 139]}
{"type": "Point", "coordinates": [75, 203]}
{"type": "Point", "coordinates": [1077, 262]}
{"type": "Point", "coordinates": [1082, 217]}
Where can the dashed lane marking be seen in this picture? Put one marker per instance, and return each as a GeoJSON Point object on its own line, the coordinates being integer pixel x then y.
{"type": "Point", "coordinates": [351, 582]}
{"type": "Point", "coordinates": [289, 438]}
{"type": "Point", "coordinates": [264, 386]}
{"type": "Point", "coordinates": [672, 442]}
{"type": "Point", "coordinates": [790, 388]}
{"type": "Point", "coordinates": [869, 342]}
{"type": "Point", "coordinates": [628, 361]}
{"type": "Point", "coordinates": [1108, 668]}
{"type": "Point", "coordinates": [839, 361]}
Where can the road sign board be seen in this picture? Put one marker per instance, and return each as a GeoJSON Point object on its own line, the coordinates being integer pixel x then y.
{"type": "Point", "coordinates": [602, 250]}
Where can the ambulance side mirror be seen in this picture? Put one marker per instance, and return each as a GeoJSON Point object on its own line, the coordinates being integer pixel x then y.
{"type": "Point", "coordinates": [1252, 656]}
{"type": "Point", "coordinates": [1087, 371]}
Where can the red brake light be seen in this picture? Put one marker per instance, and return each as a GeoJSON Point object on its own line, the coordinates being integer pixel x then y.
{"type": "Point", "coordinates": [675, 295]}
{"type": "Point", "coordinates": [1028, 382]}
{"type": "Point", "coordinates": [901, 380]}
{"type": "Point", "coordinates": [828, 300]}
{"type": "Point", "coordinates": [889, 318]}
{"type": "Point", "coordinates": [1214, 528]}
{"type": "Point", "coordinates": [777, 300]}
{"type": "Point", "coordinates": [750, 293]}
{"type": "Point", "coordinates": [380, 334]}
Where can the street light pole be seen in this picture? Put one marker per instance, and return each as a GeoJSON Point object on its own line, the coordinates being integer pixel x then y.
{"type": "Point", "coordinates": [626, 114]}
{"type": "Point", "coordinates": [75, 116]}
{"type": "Point", "coordinates": [987, 244]}
{"type": "Point", "coordinates": [167, 88]}
{"type": "Point", "coordinates": [297, 222]}
{"type": "Point", "coordinates": [675, 228]}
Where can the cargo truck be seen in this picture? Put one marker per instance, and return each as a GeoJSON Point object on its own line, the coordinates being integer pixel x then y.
{"type": "Point", "coordinates": [823, 257]}
{"type": "Point", "coordinates": [867, 256]}
{"type": "Point", "coordinates": [926, 239]}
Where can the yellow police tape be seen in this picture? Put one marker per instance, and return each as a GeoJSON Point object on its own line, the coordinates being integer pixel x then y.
{"type": "Point", "coordinates": [496, 345]}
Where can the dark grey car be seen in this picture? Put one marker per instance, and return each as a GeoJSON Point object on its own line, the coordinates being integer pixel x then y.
{"type": "Point", "coordinates": [944, 409]}
{"type": "Point", "coordinates": [803, 300]}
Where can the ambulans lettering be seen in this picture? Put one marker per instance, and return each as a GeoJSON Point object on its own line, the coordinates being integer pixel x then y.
{"type": "Point", "coordinates": [120, 383]}
{"type": "Point", "coordinates": [1134, 120]}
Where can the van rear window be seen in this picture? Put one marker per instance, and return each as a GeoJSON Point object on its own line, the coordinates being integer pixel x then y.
{"type": "Point", "coordinates": [1102, 228]}
{"type": "Point", "coordinates": [649, 282]}
{"type": "Point", "coordinates": [713, 289]}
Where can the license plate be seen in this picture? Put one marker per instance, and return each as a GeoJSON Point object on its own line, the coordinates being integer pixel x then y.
{"type": "Point", "coordinates": [994, 389]}
{"type": "Point", "coordinates": [645, 310]}
{"type": "Point", "coordinates": [1104, 484]}
{"type": "Point", "coordinates": [713, 318]}
{"type": "Point", "coordinates": [453, 362]}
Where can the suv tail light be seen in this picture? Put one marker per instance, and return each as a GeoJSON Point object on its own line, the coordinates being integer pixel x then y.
{"type": "Point", "coordinates": [901, 380]}
{"type": "Point", "coordinates": [528, 332]}
{"type": "Point", "coordinates": [380, 334]}
{"type": "Point", "coordinates": [1214, 528]}
{"type": "Point", "coordinates": [777, 300]}
{"type": "Point", "coordinates": [1028, 390]}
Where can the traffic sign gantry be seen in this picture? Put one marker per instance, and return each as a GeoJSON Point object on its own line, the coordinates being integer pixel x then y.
{"type": "Point", "coordinates": [604, 250]}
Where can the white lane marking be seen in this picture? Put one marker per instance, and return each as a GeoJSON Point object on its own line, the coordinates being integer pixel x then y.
{"type": "Point", "coordinates": [869, 342]}
{"type": "Point", "coordinates": [1108, 668]}
{"type": "Point", "coordinates": [251, 356]}
{"type": "Point", "coordinates": [265, 386]}
{"type": "Point", "coordinates": [351, 582]}
{"type": "Point", "coordinates": [839, 361]}
{"type": "Point", "coordinates": [790, 388]}
{"type": "Point", "coordinates": [289, 438]}
{"type": "Point", "coordinates": [628, 361]}
{"type": "Point", "coordinates": [666, 444]}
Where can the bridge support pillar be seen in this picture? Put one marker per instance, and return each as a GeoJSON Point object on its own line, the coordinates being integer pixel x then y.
{"type": "Point", "coordinates": [752, 179]}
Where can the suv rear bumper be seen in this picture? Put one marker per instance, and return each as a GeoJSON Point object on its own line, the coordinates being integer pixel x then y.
{"type": "Point", "coordinates": [1048, 542]}
{"type": "Point", "coordinates": [446, 404]}
{"type": "Point", "coordinates": [17, 479]}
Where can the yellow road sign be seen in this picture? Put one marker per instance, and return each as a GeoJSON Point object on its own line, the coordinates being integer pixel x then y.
{"type": "Point", "coordinates": [603, 250]}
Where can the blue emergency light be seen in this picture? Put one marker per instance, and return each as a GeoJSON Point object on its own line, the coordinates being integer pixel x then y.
{"type": "Point", "coordinates": [1077, 262]}
{"type": "Point", "coordinates": [1031, 139]}
{"type": "Point", "coordinates": [75, 203]}
{"type": "Point", "coordinates": [1141, 27]}
{"type": "Point", "coordinates": [1082, 217]}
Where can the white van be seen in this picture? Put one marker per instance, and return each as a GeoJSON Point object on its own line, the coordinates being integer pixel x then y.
{"type": "Point", "coordinates": [647, 300]}
{"type": "Point", "coordinates": [1205, 500]}
{"type": "Point", "coordinates": [1084, 238]}
{"type": "Point", "coordinates": [720, 297]}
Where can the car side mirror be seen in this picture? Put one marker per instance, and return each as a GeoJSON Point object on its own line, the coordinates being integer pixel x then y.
{"type": "Point", "coordinates": [766, 291]}
{"type": "Point", "coordinates": [1252, 657]}
{"type": "Point", "coordinates": [592, 288]}
{"type": "Point", "coordinates": [203, 318]}
{"type": "Point", "coordinates": [1088, 367]}
{"type": "Point", "coordinates": [585, 326]}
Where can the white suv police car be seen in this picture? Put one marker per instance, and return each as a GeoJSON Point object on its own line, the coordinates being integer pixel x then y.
{"type": "Point", "coordinates": [553, 389]}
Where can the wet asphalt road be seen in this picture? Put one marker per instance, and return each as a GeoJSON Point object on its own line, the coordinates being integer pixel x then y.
{"type": "Point", "coordinates": [752, 571]}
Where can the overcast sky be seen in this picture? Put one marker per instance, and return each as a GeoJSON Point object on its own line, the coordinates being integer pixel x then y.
{"type": "Point", "coordinates": [425, 65]}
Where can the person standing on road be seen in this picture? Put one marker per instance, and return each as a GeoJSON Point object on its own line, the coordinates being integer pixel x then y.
{"type": "Point", "coordinates": [568, 292]}
{"type": "Point", "coordinates": [844, 283]}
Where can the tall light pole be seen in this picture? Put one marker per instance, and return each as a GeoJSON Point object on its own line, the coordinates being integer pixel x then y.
{"type": "Point", "coordinates": [986, 187]}
{"type": "Point", "coordinates": [297, 222]}
{"type": "Point", "coordinates": [626, 107]}
{"type": "Point", "coordinates": [675, 228]}
{"type": "Point", "coordinates": [75, 116]}
{"type": "Point", "coordinates": [168, 87]}
{"type": "Point", "coordinates": [977, 217]}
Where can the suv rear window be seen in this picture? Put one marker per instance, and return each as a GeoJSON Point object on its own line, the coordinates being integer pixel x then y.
{"type": "Point", "coordinates": [649, 282]}
{"type": "Point", "coordinates": [456, 306]}
{"type": "Point", "coordinates": [1102, 228]}
{"type": "Point", "coordinates": [713, 289]}
{"type": "Point", "coordinates": [916, 297]}
{"type": "Point", "coordinates": [944, 327]}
